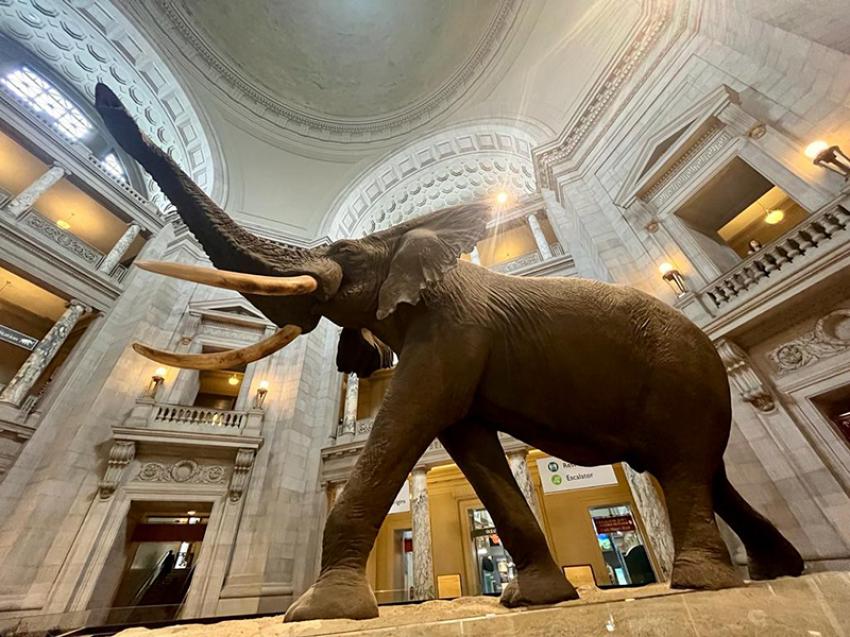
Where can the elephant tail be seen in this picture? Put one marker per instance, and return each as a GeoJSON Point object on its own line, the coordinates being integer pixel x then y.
{"type": "Point", "coordinates": [770, 554]}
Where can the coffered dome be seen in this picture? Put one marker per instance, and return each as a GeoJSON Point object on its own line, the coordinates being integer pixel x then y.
{"type": "Point", "coordinates": [358, 68]}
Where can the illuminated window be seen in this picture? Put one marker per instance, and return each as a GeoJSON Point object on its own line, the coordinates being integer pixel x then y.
{"type": "Point", "coordinates": [44, 98]}
{"type": "Point", "coordinates": [113, 166]}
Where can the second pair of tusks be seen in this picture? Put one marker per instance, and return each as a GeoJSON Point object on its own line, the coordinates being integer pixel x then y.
{"type": "Point", "coordinates": [223, 360]}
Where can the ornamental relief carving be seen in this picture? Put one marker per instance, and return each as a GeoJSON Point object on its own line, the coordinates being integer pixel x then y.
{"type": "Point", "coordinates": [182, 471]}
{"type": "Point", "coordinates": [830, 336]}
{"type": "Point", "coordinates": [689, 166]}
{"type": "Point", "coordinates": [66, 240]}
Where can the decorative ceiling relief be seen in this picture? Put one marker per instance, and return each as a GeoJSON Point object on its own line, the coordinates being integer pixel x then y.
{"type": "Point", "coordinates": [89, 41]}
{"type": "Point", "coordinates": [453, 167]}
{"type": "Point", "coordinates": [389, 48]}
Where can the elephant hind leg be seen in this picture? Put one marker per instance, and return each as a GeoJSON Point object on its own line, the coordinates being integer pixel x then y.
{"type": "Point", "coordinates": [770, 554]}
{"type": "Point", "coordinates": [478, 453]}
{"type": "Point", "coordinates": [701, 558]}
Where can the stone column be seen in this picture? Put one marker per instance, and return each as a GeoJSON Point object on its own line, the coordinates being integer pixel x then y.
{"type": "Point", "coordinates": [119, 249]}
{"type": "Point", "coordinates": [655, 521]}
{"type": "Point", "coordinates": [40, 358]}
{"type": "Point", "coordinates": [474, 256]}
{"type": "Point", "coordinates": [539, 237]}
{"type": "Point", "coordinates": [26, 199]}
{"type": "Point", "coordinates": [349, 410]}
{"type": "Point", "coordinates": [423, 563]}
{"type": "Point", "coordinates": [518, 460]}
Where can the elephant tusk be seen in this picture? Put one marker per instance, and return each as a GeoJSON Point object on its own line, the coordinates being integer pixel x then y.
{"type": "Point", "coordinates": [238, 281]}
{"type": "Point", "coordinates": [223, 360]}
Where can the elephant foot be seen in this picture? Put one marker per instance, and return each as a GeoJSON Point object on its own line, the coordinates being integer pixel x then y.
{"type": "Point", "coordinates": [340, 593]}
{"type": "Point", "coordinates": [537, 586]}
{"type": "Point", "coordinates": [704, 571]}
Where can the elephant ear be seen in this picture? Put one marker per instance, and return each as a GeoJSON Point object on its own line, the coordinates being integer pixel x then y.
{"type": "Point", "coordinates": [426, 249]}
{"type": "Point", "coordinates": [362, 353]}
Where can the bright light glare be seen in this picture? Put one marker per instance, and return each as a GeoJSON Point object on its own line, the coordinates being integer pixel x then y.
{"type": "Point", "coordinates": [665, 267]}
{"type": "Point", "coordinates": [502, 198]}
{"type": "Point", "coordinates": [113, 166]}
{"type": "Point", "coordinates": [43, 97]}
{"type": "Point", "coordinates": [233, 380]}
{"type": "Point", "coordinates": [774, 216]}
{"type": "Point", "coordinates": [815, 148]}
{"type": "Point", "coordinates": [63, 224]}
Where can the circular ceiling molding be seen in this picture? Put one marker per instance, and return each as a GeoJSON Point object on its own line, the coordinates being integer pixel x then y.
{"type": "Point", "coordinates": [88, 42]}
{"type": "Point", "coordinates": [466, 163]}
{"type": "Point", "coordinates": [339, 71]}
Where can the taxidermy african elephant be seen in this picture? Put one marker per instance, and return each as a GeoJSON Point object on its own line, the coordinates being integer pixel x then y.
{"type": "Point", "coordinates": [589, 372]}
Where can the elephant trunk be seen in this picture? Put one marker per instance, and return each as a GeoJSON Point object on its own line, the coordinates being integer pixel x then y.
{"type": "Point", "coordinates": [227, 244]}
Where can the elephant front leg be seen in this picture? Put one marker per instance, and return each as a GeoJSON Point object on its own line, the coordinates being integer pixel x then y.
{"type": "Point", "coordinates": [478, 453]}
{"type": "Point", "coordinates": [424, 397]}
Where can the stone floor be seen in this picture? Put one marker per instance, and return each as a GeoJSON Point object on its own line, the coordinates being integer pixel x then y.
{"type": "Point", "coordinates": [816, 605]}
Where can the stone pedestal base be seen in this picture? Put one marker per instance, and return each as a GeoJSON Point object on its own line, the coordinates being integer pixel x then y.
{"type": "Point", "coordinates": [816, 605]}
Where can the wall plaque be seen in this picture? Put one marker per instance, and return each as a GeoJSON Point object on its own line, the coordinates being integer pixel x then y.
{"type": "Point", "coordinates": [17, 338]}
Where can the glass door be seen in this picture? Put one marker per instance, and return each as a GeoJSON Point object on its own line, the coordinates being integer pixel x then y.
{"type": "Point", "coordinates": [622, 547]}
{"type": "Point", "coordinates": [494, 564]}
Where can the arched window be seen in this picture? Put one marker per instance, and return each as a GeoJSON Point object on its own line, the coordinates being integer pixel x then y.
{"type": "Point", "coordinates": [46, 94]}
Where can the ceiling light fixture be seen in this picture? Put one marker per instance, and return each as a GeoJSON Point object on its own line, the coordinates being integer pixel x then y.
{"type": "Point", "coordinates": [774, 216]}
{"type": "Point", "coordinates": [63, 224]}
{"type": "Point", "coordinates": [233, 380]}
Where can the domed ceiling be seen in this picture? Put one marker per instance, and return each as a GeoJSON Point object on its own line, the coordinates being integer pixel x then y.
{"type": "Point", "coordinates": [357, 68]}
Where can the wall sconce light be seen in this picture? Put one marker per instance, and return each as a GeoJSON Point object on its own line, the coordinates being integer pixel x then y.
{"type": "Point", "coordinates": [829, 157]}
{"type": "Point", "coordinates": [674, 278]}
{"type": "Point", "coordinates": [157, 379]}
{"type": "Point", "coordinates": [262, 390]}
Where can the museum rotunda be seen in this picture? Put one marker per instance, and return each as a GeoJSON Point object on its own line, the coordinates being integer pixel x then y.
{"type": "Point", "coordinates": [692, 149]}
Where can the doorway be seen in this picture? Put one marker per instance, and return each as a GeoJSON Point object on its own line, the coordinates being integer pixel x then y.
{"type": "Point", "coordinates": [622, 546]}
{"type": "Point", "coordinates": [163, 548]}
{"type": "Point", "coordinates": [494, 565]}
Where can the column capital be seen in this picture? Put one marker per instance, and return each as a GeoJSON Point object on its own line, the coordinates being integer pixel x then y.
{"type": "Point", "coordinates": [74, 303]}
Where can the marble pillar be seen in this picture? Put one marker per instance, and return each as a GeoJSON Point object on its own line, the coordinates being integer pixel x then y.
{"type": "Point", "coordinates": [518, 460]}
{"type": "Point", "coordinates": [27, 198]}
{"type": "Point", "coordinates": [655, 521]}
{"type": "Point", "coordinates": [349, 410]}
{"type": "Point", "coordinates": [119, 249]}
{"type": "Point", "coordinates": [474, 256]}
{"type": "Point", "coordinates": [423, 563]}
{"type": "Point", "coordinates": [40, 358]}
{"type": "Point", "coordinates": [539, 237]}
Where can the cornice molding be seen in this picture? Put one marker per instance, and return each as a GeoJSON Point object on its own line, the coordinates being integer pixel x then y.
{"type": "Point", "coordinates": [91, 41]}
{"type": "Point", "coordinates": [223, 73]}
{"type": "Point", "coordinates": [657, 18]}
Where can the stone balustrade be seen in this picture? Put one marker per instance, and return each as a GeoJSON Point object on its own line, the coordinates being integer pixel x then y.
{"type": "Point", "coordinates": [825, 227]}
{"type": "Point", "coordinates": [526, 260]}
{"type": "Point", "coordinates": [149, 414]}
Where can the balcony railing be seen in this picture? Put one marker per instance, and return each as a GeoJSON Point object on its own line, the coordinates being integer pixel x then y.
{"type": "Point", "coordinates": [148, 414]}
{"type": "Point", "coordinates": [526, 260]}
{"type": "Point", "coordinates": [199, 416]}
{"type": "Point", "coordinates": [817, 231]}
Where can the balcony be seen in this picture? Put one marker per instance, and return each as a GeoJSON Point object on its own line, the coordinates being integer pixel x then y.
{"type": "Point", "coordinates": [783, 267]}
{"type": "Point", "coordinates": [152, 421]}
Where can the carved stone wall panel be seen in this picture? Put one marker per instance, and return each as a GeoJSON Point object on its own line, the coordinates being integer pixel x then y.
{"type": "Point", "coordinates": [829, 336]}
{"type": "Point", "coordinates": [182, 471]}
